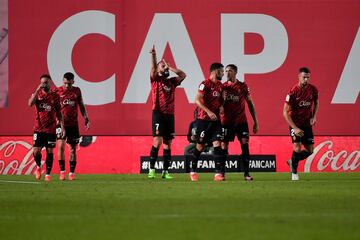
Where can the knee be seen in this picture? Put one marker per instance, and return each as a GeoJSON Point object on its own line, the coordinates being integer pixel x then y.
{"type": "Point", "coordinates": [310, 150]}
{"type": "Point", "coordinates": [73, 150]}
{"type": "Point", "coordinates": [200, 147]}
{"type": "Point", "coordinates": [297, 148]}
{"type": "Point", "coordinates": [36, 151]}
{"type": "Point", "coordinates": [157, 142]}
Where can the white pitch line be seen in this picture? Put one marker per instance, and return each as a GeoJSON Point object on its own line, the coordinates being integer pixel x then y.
{"type": "Point", "coordinates": [22, 182]}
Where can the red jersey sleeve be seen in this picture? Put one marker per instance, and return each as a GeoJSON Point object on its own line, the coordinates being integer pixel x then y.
{"type": "Point", "coordinates": [175, 81]}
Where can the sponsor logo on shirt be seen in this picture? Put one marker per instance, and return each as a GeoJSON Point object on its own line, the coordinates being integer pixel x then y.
{"type": "Point", "coordinates": [233, 98]}
{"type": "Point", "coordinates": [304, 104]}
{"type": "Point", "coordinates": [45, 106]}
{"type": "Point", "coordinates": [216, 94]}
{"type": "Point", "coordinates": [69, 102]}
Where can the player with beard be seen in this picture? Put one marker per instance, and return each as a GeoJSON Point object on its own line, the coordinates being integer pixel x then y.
{"type": "Point", "coordinates": [209, 101]}
{"type": "Point", "coordinates": [234, 119]}
{"type": "Point", "coordinates": [300, 110]}
{"type": "Point", "coordinates": [71, 100]}
{"type": "Point", "coordinates": [163, 123]}
{"type": "Point", "coordinates": [47, 111]}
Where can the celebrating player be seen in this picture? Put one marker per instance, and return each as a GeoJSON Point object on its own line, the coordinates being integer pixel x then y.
{"type": "Point", "coordinates": [163, 97]}
{"type": "Point", "coordinates": [47, 110]}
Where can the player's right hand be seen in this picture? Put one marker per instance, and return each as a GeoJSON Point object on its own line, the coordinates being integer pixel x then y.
{"type": "Point", "coordinates": [152, 50]}
{"type": "Point", "coordinates": [39, 87]}
{"type": "Point", "coordinates": [298, 132]}
{"type": "Point", "coordinates": [212, 116]}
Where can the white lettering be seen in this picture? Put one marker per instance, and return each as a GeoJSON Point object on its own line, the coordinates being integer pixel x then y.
{"type": "Point", "coordinates": [166, 28]}
{"type": "Point", "coordinates": [348, 88]}
{"type": "Point", "coordinates": [233, 28]}
{"type": "Point", "coordinates": [341, 161]}
{"type": "Point", "coordinates": [62, 43]}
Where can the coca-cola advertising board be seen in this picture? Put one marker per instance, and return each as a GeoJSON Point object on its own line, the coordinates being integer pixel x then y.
{"type": "Point", "coordinates": [122, 154]}
{"type": "Point", "coordinates": [106, 44]}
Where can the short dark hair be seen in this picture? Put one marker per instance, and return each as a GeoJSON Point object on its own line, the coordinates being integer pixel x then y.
{"type": "Point", "coordinates": [215, 66]}
{"type": "Point", "coordinates": [304, 70]}
{"type": "Point", "coordinates": [69, 76]}
{"type": "Point", "coordinates": [45, 76]}
{"type": "Point", "coordinates": [232, 66]}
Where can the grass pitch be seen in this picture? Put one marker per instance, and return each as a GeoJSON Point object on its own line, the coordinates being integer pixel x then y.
{"type": "Point", "coordinates": [319, 206]}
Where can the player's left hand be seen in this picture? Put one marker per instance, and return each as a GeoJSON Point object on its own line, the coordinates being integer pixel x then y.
{"type": "Point", "coordinates": [222, 110]}
{"type": "Point", "coordinates": [312, 121]}
{"type": "Point", "coordinates": [87, 124]}
{"type": "Point", "coordinates": [62, 134]}
{"type": "Point", "coordinates": [255, 128]}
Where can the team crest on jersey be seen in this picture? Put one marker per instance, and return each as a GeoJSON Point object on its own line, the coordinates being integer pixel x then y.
{"type": "Point", "coordinates": [201, 87]}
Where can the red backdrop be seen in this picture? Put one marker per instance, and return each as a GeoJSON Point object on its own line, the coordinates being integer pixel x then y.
{"type": "Point", "coordinates": [318, 34]}
{"type": "Point", "coordinates": [108, 154]}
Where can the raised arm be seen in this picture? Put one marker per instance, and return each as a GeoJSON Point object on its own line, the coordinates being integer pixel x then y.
{"type": "Point", "coordinates": [32, 98]}
{"type": "Point", "coordinates": [153, 70]}
{"type": "Point", "coordinates": [180, 74]}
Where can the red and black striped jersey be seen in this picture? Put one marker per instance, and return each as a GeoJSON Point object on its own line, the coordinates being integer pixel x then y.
{"type": "Point", "coordinates": [301, 102]}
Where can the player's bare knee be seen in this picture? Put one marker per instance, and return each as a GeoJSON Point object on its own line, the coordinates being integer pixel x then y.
{"type": "Point", "coordinates": [224, 145]}
{"type": "Point", "coordinates": [157, 142]}
{"type": "Point", "coordinates": [72, 149]}
{"type": "Point", "coordinates": [167, 144]}
{"type": "Point", "coordinates": [244, 140]}
{"type": "Point", "coordinates": [309, 149]}
{"type": "Point", "coordinates": [297, 147]}
{"type": "Point", "coordinates": [216, 144]}
{"type": "Point", "coordinates": [36, 151]}
{"type": "Point", "coordinates": [200, 147]}
{"type": "Point", "coordinates": [50, 150]}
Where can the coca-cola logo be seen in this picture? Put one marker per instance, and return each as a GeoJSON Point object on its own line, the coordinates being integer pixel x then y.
{"type": "Point", "coordinates": [13, 149]}
{"type": "Point", "coordinates": [325, 158]}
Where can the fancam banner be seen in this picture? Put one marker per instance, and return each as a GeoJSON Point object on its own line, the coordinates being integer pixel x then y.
{"type": "Point", "coordinates": [106, 44]}
{"type": "Point", "coordinates": [116, 155]}
{"type": "Point", "coordinates": [181, 164]}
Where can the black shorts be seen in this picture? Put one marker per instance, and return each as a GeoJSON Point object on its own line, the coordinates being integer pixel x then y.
{"type": "Point", "coordinates": [163, 125]}
{"type": "Point", "coordinates": [41, 139]}
{"type": "Point", "coordinates": [241, 131]}
{"type": "Point", "coordinates": [208, 131]}
{"type": "Point", "coordinates": [72, 134]}
{"type": "Point", "coordinates": [307, 139]}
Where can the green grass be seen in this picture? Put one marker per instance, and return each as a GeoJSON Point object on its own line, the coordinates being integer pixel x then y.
{"type": "Point", "coordinates": [320, 206]}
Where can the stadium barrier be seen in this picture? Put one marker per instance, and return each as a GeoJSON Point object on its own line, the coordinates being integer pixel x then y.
{"type": "Point", "coordinates": [122, 154]}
